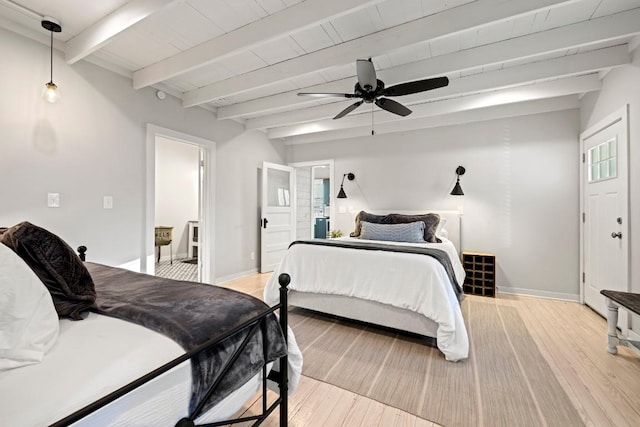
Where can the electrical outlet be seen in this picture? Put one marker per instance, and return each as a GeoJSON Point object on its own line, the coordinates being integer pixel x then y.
{"type": "Point", "coordinates": [53, 200]}
{"type": "Point", "coordinates": [253, 256]}
{"type": "Point", "coordinates": [342, 209]}
{"type": "Point", "coordinates": [107, 202]}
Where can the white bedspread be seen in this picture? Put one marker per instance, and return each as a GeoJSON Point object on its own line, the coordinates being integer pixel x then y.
{"type": "Point", "coordinates": [413, 282]}
{"type": "Point", "coordinates": [98, 355]}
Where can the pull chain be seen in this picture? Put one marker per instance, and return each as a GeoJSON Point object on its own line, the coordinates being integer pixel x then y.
{"type": "Point", "coordinates": [372, 131]}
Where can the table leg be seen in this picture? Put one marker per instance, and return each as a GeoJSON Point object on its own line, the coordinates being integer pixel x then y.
{"type": "Point", "coordinates": [159, 250]}
{"type": "Point", "coordinates": [612, 322]}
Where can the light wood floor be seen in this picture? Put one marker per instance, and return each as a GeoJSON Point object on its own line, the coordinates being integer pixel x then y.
{"type": "Point", "coordinates": [604, 388]}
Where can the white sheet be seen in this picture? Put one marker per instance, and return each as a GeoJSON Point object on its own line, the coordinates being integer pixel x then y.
{"type": "Point", "coordinates": [96, 356]}
{"type": "Point", "coordinates": [413, 282]}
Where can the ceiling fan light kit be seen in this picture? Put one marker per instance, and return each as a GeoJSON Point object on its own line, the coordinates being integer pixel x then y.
{"type": "Point", "coordinates": [372, 90]}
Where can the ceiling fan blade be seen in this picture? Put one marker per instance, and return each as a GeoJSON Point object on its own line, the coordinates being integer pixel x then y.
{"type": "Point", "coordinates": [393, 107]}
{"type": "Point", "coordinates": [415, 86]}
{"type": "Point", "coordinates": [347, 110]}
{"type": "Point", "coordinates": [327, 95]}
{"type": "Point", "coordinates": [366, 75]}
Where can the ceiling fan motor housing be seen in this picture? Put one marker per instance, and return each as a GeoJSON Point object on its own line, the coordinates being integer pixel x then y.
{"type": "Point", "coordinates": [368, 95]}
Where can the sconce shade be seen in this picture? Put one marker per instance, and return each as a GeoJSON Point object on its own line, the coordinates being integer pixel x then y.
{"type": "Point", "coordinates": [457, 189]}
{"type": "Point", "coordinates": [51, 93]}
{"type": "Point", "coordinates": [341, 194]}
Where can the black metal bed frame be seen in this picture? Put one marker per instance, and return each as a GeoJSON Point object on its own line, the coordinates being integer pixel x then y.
{"type": "Point", "coordinates": [281, 378]}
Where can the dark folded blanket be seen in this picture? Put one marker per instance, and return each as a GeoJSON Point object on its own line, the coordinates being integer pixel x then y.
{"type": "Point", "coordinates": [57, 266]}
{"type": "Point", "coordinates": [191, 314]}
{"type": "Point", "coordinates": [439, 255]}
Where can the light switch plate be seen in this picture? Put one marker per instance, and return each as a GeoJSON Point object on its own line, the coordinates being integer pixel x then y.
{"type": "Point", "coordinates": [53, 200]}
{"type": "Point", "coordinates": [107, 202]}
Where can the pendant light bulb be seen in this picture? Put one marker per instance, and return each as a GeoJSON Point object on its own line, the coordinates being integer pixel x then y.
{"type": "Point", "coordinates": [51, 93]}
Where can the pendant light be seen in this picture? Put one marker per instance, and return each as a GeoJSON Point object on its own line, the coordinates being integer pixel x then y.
{"type": "Point", "coordinates": [51, 93]}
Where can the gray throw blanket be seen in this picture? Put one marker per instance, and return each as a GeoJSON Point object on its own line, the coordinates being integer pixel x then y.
{"type": "Point", "coordinates": [191, 314]}
{"type": "Point", "coordinates": [441, 256]}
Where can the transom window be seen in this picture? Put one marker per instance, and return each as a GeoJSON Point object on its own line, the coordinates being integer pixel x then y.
{"type": "Point", "coordinates": [603, 161]}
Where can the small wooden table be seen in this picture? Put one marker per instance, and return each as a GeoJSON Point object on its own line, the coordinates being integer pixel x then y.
{"type": "Point", "coordinates": [615, 299]}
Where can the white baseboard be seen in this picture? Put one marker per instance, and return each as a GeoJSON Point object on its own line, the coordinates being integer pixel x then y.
{"type": "Point", "coordinates": [230, 277]}
{"type": "Point", "coordinates": [635, 337]}
{"type": "Point", "coordinates": [540, 294]}
{"type": "Point", "coordinates": [131, 265]}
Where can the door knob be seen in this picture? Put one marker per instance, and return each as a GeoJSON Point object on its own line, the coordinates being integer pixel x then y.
{"type": "Point", "coordinates": [618, 235]}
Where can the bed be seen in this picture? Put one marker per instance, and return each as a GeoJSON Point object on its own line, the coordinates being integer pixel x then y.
{"type": "Point", "coordinates": [370, 281]}
{"type": "Point", "coordinates": [75, 354]}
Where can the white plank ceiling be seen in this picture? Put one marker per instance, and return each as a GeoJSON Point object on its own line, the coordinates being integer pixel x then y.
{"type": "Point", "coordinates": [247, 59]}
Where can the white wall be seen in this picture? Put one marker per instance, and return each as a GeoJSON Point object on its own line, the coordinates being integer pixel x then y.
{"type": "Point", "coordinates": [239, 173]}
{"type": "Point", "coordinates": [521, 189]}
{"type": "Point", "coordinates": [176, 191]}
{"type": "Point", "coordinates": [619, 87]}
{"type": "Point", "coordinates": [92, 144]}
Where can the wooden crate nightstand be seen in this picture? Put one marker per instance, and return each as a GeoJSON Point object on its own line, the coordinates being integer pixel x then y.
{"type": "Point", "coordinates": [480, 269]}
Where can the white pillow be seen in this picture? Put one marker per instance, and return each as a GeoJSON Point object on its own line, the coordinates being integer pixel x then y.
{"type": "Point", "coordinates": [29, 324]}
{"type": "Point", "coordinates": [440, 231]}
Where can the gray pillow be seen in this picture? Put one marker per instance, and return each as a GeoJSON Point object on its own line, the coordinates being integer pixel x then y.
{"type": "Point", "coordinates": [430, 220]}
{"type": "Point", "coordinates": [412, 232]}
{"type": "Point", "coordinates": [56, 265]}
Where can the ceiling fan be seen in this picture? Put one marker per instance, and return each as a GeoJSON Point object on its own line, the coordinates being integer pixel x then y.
{"type": "Point", "coordinates": [370, 89]}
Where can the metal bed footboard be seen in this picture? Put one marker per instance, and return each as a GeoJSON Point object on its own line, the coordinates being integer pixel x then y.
{"type": "Point", "coordinates": [256, 323]}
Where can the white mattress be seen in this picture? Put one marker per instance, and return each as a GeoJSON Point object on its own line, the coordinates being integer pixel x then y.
{"type": "Point", "coordinates": [96, 356]}
{"type": "Point", "coordinates": [412, 282]}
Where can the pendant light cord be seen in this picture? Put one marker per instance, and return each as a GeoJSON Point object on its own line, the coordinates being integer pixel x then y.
{"type": "Point", "coordinates": [51, 56]}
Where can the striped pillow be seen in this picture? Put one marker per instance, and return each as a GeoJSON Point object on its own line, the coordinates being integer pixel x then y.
{"type": "Point", "coordinates": [412, 232]}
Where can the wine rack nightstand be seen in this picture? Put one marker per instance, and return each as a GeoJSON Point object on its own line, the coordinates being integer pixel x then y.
{"type": "Point", "coordinates": [480, 269]}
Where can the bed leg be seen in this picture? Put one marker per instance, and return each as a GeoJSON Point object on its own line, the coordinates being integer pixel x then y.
{"type": "Point", "coordinates": [81, 252]}
{"type": "Point", "coordinates": [284, 279]}
{"type": "Point", "coordinates": [612, 323]}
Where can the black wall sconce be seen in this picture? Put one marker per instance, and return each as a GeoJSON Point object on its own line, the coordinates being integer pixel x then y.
{"type": "Point", "coordinates": [457, 190]}
{"type": "Point", "coordinates": [350, 176]}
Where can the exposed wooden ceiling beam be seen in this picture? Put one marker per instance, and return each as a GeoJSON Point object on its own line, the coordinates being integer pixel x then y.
{"type": "Point", "coordinates": [559, 87]}
{"type": "Point", "coordinates": [584, 33]}
{"type": "Point", "coordinates": [279, 24]}
{"type": "Point", "coordinates": [587, 62]}
{"type": "Point", "coordinates": [103, 31]}
{"type": "Point", "coordinates": [453, 20]}
{"type": "Point", "coordinates": [538, 106]}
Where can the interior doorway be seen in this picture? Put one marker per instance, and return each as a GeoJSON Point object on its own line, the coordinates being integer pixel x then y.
{"type": "Point", "coordinates": [315, 205]}
{"type": "Point", "coordinates": [179, 202]}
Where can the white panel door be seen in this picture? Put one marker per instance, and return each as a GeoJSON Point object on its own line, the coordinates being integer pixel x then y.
{"type": "Point", "coordinates": [278, 214]}
{"type": "Point", "coordinates": [606, 220]}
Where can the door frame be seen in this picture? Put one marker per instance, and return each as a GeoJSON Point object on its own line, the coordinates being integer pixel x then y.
{"type": "Point", "coordinates": [620, 115]}
{"type": "Point", "coordinates": [311, 164]}
{"type": "Point", "coordinates": [207, 205]}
